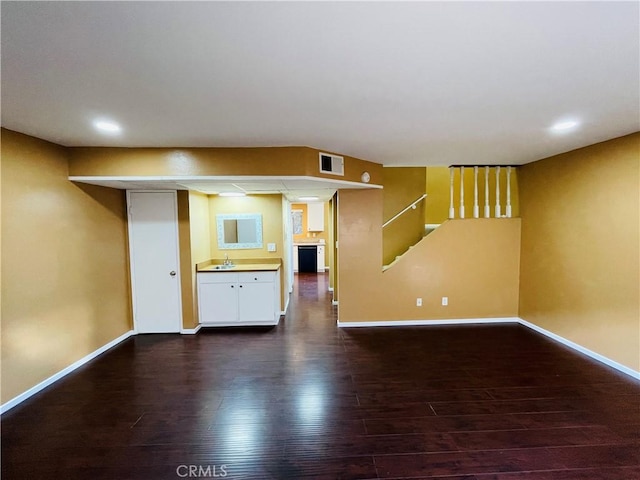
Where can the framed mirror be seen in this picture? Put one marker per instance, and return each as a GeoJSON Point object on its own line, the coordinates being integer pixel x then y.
{"type": "Point", "coordinates": [239, 230]}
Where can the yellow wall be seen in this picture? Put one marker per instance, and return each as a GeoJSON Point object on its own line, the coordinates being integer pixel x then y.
{"type": "Point", "coordinates": [305, 235]}
{"type": "Point", "coordinates": [335, 265]}
{"type": "Point", "coordinates": [65, 280]}
{"type": "Point", "coordinates": [329, 251]}
{"type": "Point", "coordinates": [473, 262]}
{"type": "Point", "coordinates": [200, 237]}
{"type": "Point", "coordinates": [270, 206]}
{"type": "Point", "coordinates": [402, 186]}
{"type": "Point", "coordinates": [437, 202]}
{"type": "Point", "coordinates": [580, 261]}
{"type": "Point", "coordinates": [187, 287]}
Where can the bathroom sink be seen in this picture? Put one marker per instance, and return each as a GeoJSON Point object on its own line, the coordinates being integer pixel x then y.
{"type": "Point", "coordinates": [223, 267]}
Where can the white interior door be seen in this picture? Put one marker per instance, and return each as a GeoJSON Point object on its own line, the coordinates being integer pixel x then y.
{"type": "Point", "coordinates": [155, 276]}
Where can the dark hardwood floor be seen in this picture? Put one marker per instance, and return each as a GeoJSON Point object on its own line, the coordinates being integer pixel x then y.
{"type": "Point", "coordinates": [309, 400]}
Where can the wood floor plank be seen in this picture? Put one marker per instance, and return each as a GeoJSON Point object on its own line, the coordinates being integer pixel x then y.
{"type": "Point", "coordinates": [309, 400]}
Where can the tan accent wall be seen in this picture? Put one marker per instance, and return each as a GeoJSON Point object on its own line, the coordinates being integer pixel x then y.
{"type": "Point", "coordinates": [187, 286]}
{"type": "Point", "coordinates": [473, 262]}
{"type": "Point", "coordinates": [402, 186]}
{"type": "Point", "coordinates": [270, 206]}
{"type": "Point", "coordinates": [64, 251]}
{"type": "Point", "coordinates": [437, 202]}
{"type": "Point", "coordinates": [580, 242]}
{"type": "Point", "coordinates": [335, 265]}
{"type": "Point", "coordinates": [200, 236]}
{"type": "Point", "coordinates": [277, 161]}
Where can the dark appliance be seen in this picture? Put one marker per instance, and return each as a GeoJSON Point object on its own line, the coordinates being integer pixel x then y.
{"type": "Point", "coordinates": [308, 258]}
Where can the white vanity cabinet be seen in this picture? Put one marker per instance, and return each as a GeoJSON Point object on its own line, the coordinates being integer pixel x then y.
{"type": "Point", "coordinates": [239, 298]}
{"type": "Point", "coordinates": [218, 297]}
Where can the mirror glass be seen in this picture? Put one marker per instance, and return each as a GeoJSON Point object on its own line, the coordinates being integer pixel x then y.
{"type": "Point", "coordinates": [239, 230]}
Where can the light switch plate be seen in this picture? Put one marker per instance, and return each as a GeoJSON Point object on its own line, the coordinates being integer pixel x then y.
{"type": "Point", "coordinates": [271, 247]}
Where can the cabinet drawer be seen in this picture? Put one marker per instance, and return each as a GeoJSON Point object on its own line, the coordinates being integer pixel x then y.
{"type": "Point", "coordinates": [254, 277]}
{"type": "Point", "coordinates": [217, 277]}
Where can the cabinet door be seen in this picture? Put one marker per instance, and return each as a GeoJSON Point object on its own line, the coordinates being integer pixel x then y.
{"type": "Point", "coordinates": [315, 217]}
{"type": "Point", "coordinates": [218, 302]}
{"type": "Point", "coordinates": [321, 258]}
{"type": "Point", "coordinates": [256, 302]}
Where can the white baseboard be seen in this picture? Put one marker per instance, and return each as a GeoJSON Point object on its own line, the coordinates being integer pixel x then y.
{"type": "Point", "coordinates": [286, 305]}
{"type": "Point", "coordinates": [581, 349]}
{"type": "Point", "coordinates": [190, 331]}
{"type": "Point", "coordinates": [467, 321]}
{"type": "Point", "coordinates": [413, 323]}
{"type": "Point", "coordinates": [65, 371]}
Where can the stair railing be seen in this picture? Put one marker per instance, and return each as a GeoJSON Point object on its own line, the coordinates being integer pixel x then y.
{"type": "Point", "coordinates": [476, 206]}
{"type": "Point", "coordinates": [407, 208]}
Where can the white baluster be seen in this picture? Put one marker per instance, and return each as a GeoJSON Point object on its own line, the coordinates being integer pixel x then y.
{"type": "Point", "coordinates": [452, 211]}
{"type": "Point", "coordinates": [461, 192]}
{"type": "Point", "coordinates": [487, 208]}
{"type": "Point", "coordinates": [498, 215]}
{"type": "Point", "coordinates": [476, 209]}
{"type": "Point", "coordinates": [508, 192]}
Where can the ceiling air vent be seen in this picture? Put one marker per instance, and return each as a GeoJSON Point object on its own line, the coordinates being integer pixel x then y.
{"type": "Point", "coordinates": [332, 164]}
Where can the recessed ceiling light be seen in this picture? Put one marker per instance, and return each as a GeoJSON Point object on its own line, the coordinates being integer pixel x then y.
{"type": "Point", "coordinates": [107, 126]}
{"type": "Point", "coordinates": [309, 199]}
{"type": "Point", "coordinates": [564, 125]}
{"type": "Point", "coordinates": [232, 194]}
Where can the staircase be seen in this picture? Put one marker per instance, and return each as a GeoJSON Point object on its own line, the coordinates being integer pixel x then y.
{"type": "Point", "coordinates": [467, 185]}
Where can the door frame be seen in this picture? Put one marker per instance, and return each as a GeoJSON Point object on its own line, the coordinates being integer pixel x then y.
{"type": "Point", "coordinates": [131, 262]}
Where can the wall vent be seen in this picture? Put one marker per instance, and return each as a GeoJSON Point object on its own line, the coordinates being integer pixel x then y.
{"type": "Point", "coordinates": [332, 164]}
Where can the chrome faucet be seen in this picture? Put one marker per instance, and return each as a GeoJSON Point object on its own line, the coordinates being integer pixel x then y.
{"type": "Point", "coordinates": [226, 260]}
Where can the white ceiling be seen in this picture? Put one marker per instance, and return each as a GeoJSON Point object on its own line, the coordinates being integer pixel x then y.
{"type": "Point", "coordinates": [415, 83]}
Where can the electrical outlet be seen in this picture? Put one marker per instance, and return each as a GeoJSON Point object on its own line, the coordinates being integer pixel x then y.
{"type": "Point", "coordinates": [418, 302]}
{"type": "Point", "coordinates": [271, 247]}
{"type": "Point", "coordinates": [445, 301]}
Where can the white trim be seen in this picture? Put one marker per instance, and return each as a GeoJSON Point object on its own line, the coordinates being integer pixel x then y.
{"type": "Point", "coordinates": [190, 331]}
{"type": "Point", "coordinates": [412, 323]}
{"type": "Point", "coordinates": [330, 289]}
{"type": "Point", "coordinates": [487, 208]}
{"type": "Point", "coordinates": [286, 305]}
{"type": "Point", "coordinates": [431, 225]}
{"type": "Point", "coordinates": [467, 321]}
{"type": "Point", "coordinates": [62, 373]}
{"type": "Point", "coordinates": [581, 349]}
{"type": "Point", "coordinates": [476, 208]}
{"type": "Point", "coordinates": [452, 210]}
{"type": "Point", "coordinates": [461, 192]}
{"type": "Point", "coordinates": [334, 302]}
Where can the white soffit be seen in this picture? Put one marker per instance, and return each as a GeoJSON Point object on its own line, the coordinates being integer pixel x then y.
{"type": "Point", "coordinates": [291, 187]}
